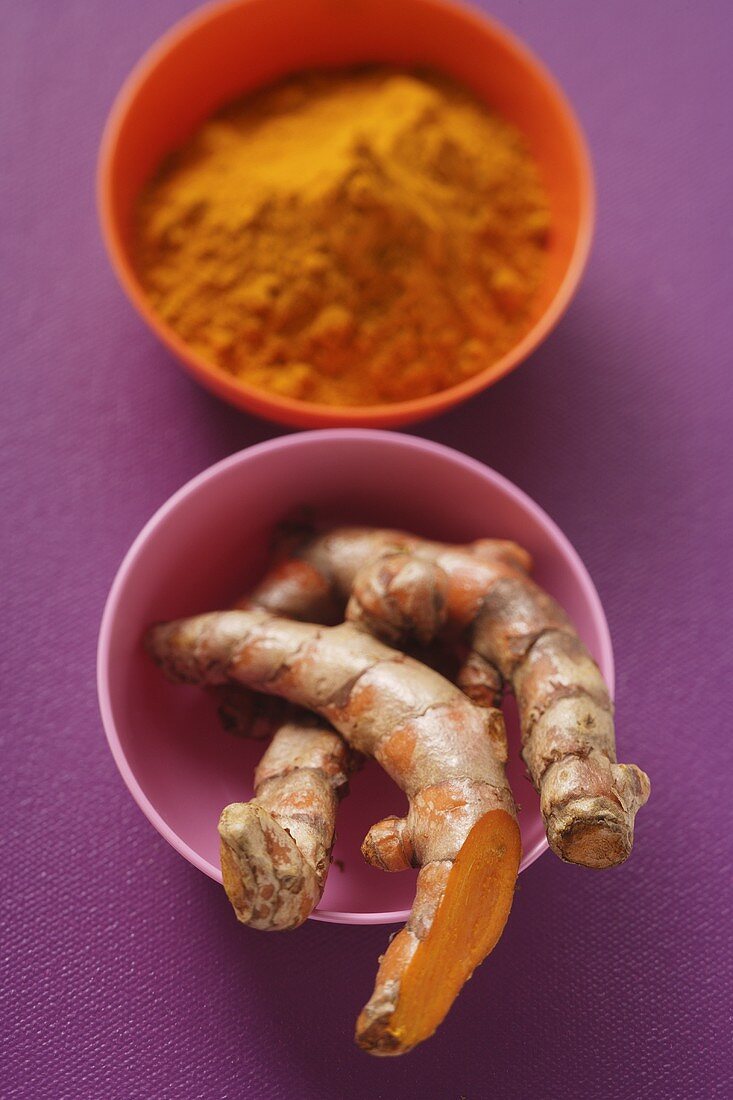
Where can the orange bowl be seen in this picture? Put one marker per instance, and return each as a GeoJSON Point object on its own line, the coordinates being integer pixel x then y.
{"type": "Point", "coordinates": [227, 49]}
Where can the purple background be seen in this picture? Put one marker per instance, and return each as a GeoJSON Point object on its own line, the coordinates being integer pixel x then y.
{"type": "Point", "coordinates": [124, 973]}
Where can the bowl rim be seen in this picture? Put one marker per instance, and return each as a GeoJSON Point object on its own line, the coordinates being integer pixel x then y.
{"type": "Point", "coordinates": [297, 413]}
{"type": "Point", "coordinates": [318, 437]}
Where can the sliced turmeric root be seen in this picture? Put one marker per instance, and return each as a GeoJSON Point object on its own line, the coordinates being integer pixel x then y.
{"type": "Point", "coordinates": [429, 961]}
{"type": "Point", "coordinates": [446, 754]}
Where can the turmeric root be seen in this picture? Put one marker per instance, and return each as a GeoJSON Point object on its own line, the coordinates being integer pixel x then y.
{"type": "Point", "coordinates": [294, 590]}
{"type": "Point", "coordinates": [399, 585]}
{"type": "Point", "coordinates": [445, 753]}
{"type": "Point", "coordinates": [588, 800]}
{"type": "Point", "coordinates": [276, 849]}
{"type": "Point", "coordinates": [404, 597]}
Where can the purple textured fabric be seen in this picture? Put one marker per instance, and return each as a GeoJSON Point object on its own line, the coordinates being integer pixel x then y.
{"type": "Point", "coordinates": [124, 973]}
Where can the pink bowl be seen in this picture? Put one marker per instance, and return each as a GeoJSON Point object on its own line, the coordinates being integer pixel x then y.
{"type": "Point", "coordinates": [208, 543]}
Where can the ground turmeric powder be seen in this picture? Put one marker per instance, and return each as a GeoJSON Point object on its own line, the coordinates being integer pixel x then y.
{"type": "Point", "coordinates": [350, 238]}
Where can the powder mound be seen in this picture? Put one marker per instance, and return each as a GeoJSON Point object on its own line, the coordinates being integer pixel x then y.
{"type": "Point", "coordinates": [349, 238]}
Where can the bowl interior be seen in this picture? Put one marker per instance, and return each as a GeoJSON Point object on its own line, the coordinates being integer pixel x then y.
{"type": "Point", "coordinates": [226, 50]}
{"type": "Point", "coordinates": [209, 543]}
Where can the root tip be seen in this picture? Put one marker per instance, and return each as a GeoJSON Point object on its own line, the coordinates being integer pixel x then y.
{"type": "Point", "coordinates": [591, 835]}
{"type": "Point", "coordinates": [266, 879]}
{"type": "Point", "coordinates": [375, 1037]}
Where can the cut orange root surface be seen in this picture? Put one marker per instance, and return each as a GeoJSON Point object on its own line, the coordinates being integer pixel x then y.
{"type": "Point", "coordinates": [467, 926]}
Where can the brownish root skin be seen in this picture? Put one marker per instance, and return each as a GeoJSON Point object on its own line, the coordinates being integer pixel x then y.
{"type": "Point", "coordinates": [400, 596]}
{"type": "Point", "coordinates": [511, 553]}
{"type": "Point", "coordinates": [481, 681]}
{"type": "Point", "coordinates": [296, 589]}
{"type": "Point", "coordinates": [459, 914]}
{"type": "Point", "coordinates": [276, 849]}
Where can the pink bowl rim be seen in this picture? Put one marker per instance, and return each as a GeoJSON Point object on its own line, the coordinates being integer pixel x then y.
{"type": "Point", "coordinates": [308, 438]}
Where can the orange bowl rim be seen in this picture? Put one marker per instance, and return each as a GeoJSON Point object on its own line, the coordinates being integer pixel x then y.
{"type": "Point", "coordinates": [289, 411]}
